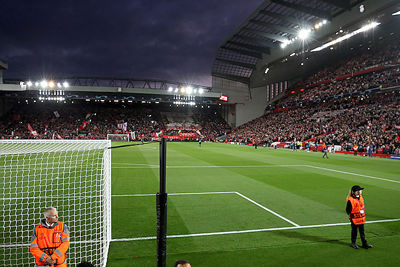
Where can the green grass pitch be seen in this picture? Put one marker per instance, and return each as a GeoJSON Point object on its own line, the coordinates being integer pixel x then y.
{"type": "Point", "coordinates": [247, 207]}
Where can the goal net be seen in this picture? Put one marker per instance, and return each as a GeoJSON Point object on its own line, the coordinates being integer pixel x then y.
{"type": "Point", "coordinates": [118, 137]}
{"type": "Point", "coordinates": [73, 176]}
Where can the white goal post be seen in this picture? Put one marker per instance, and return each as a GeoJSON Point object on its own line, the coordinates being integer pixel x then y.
{"type": "Point", "coordinates": [118, 137]}
{"type": "Point", "coordinates": [73, 176]}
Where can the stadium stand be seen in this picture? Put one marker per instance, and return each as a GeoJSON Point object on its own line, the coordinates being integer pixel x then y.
{"type": "Point", "coordinates": [95, 121]}
{"type": "Point", "coordinates": [346, 105]}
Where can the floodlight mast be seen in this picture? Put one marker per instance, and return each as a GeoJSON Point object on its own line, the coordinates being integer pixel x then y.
{"type": "Point", "coordinates": [161, 206]}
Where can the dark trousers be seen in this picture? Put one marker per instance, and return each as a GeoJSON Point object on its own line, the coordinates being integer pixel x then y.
{"type": "Point", "coordinates": [354, 228]}
{"type": "Point", "coordinates": [325, 155]}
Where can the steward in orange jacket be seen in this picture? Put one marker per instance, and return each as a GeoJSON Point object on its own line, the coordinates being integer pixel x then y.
{"type": "Point", "coordinates": [356, 211]}
{"type": "Point", "coordinates": [50, 241]}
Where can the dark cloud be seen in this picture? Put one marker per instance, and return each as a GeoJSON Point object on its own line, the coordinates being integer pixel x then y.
{"type": "Point", "coordinates": [173, 40]}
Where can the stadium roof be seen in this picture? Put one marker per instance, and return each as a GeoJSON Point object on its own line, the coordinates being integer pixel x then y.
{"type": "Point", "coordinates": [271, 32]}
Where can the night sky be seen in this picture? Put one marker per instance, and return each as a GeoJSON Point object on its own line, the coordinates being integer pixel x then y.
{"type": "Point", "coordinates": [174, 40]}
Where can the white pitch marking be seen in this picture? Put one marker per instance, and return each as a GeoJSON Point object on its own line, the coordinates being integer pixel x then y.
{"type": "Point", "coordinates": [273, 212]}
{"type": "Point", "coordinates": [216, 233]}
{"type": "Point", "coordinates": [362, 175]}
{"type": "Point", "coordinates": [248, 231]}
{"type": "Point", "coordinates": [211, 166]}
{"type": "Point", "coordinates": [174, 194]}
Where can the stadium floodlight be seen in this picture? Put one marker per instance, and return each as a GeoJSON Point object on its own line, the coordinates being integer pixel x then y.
{"type": "Point", "coordinates": [65, 84]}
{"type": "Point", "coordinates": [29, 83]}
{"type": "Point", "coordinates": [195, 91]}
{"type": "Point", "coordinates": [170, 89]}
{"type": "Point", "coordinates": [347, 36]}
{"type": "Point", "coordinates": [303, 34]}
{"type": "Point", "coordinates": [201, 91]}
{"type": "Point", "coordinates": [324, 21]}
{"type": "Point", "coordinates": [59, 85]}
{"type": "Point", "coordinates": [189, 90]}
{"type": "Point", "coordinates": [52, 84]}
{"type": "Point", "coordinates": [396, 13]}
{"type": "Point", "coordinates": [176, 90]}
{"type": "Point", "coordinates": [72, 175]}
{"type": "Point", "coordinates": [183, 89]}
{"type": "Point", "coordinates": [285, 43]}
{"type": "Point", "coordinates": [43, 84]}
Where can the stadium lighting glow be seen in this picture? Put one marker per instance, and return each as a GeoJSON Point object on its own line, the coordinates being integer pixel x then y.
{"type": "Point", "coordinates": [201, 91]}
{"type": "Point", "coordinates": [304, 34]}
{"type": "Point", "coordinates": [43, 84]}
{"type": "Point", "coordinates": [183, 89]}
{"type": "Point", "coordinates": [65, 84]}
{"type": "Point", "coordinates": [189, 89]}
{"type": "Point", "coordinates": [170, 89]}
{"type": "Point", "coordinates": [324, 21]}
{"type": "Point", "coordinates": [195, 91]}
{"type": "Point", "coordinates": [285, 43]}
{"type": "Point", "coordinates": [396, 13]}
{"type": "Point", "coordinates": [52, 84]}
{"type": "Point", "coordinates": [59, 85]}
{"type": "Point", "coordinates": [347, 36]}
{"type": "Point", "coordinates": [29, 83]}
{"type": "Point", "coordinates": [176, 90]}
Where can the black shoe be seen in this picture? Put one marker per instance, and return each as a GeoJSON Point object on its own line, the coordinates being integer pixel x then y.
{"type": "Point", "coordinates": [354, 245]}
{"type": "Point", "coordinates": [366, 245]}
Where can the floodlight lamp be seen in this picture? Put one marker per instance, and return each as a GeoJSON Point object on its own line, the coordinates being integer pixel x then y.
{"type": "Point", "coordinates": [304, 34]}
{"type": "Point", "coordinates": [183, 89]}
{"type": "Point", "coordinates": [65, 84]}
{"type": "Point", "coordinates": [324, 21]}
{"type": "Point", "coordinates": [170, 89]}
{"type": "Point", "coordinates": [189, 89]}
{"type": "Point", "coordinates": [195, 91]}
{"type": "Point", "coordinates": [176, 90]}
{"type": "Point", "coordinates": [36, 84]}
{"type": "Point", "coordinates": [52, 84]}
{"type": "Point", "coordinates": [43, 84]}
{"type": "Point", "coordinates": [316, 26]}
{"type": "Point", "coordinates": [29, 83]}
{"type": "Point", "coordinates": [201, 91]}
{"type": "Point", "coordinates": [59, 85]}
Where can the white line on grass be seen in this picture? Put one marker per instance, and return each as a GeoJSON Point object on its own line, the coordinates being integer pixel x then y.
{"type": "Point", "coordinates": [210, 193]}
{"type": "Point", "coordinates": [352, 173]}
{"type": "Point", "coordinates": [215, 233]}
{"type": "Point", "coordinates": [174, 194]}
{"type": "Point", "coordinates": [245, 231]}
{"type": "Point", "coordinates": [209, 166]}
{"type": "Point", "coordinates": [273, 212]}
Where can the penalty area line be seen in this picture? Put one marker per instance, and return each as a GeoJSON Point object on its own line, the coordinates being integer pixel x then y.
{"type": "Point", "coordinates": [265, 208]}
{"type": "Point", "coordinates": [246, 231]}
{"type": "Point", "coordinates": [352, 173]}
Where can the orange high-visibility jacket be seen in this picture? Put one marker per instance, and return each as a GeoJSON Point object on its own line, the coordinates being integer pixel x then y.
{"type": "Point", "coordinates": [355, 148]}
{"type": "Point", "coordinates": [50, 241]}
{"type": "Point", "coordinates": [357, 214]}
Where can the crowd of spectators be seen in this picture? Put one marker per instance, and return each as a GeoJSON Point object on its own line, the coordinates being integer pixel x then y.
{"type": "Point", "coordinates": [333, 84]}
{"type": "Point", "coordinates": [362, 121]}
{"type": "Point", "coordinates": [328, 107]}
{"type": "Point", "coordinates": [96, 121]}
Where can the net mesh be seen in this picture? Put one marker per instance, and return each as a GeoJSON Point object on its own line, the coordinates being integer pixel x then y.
{"type": "Point", "coordinates": [71, 175]}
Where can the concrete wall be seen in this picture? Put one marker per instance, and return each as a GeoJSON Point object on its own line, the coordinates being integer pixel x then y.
{"type": "Point", "coordinates": [252, 109]}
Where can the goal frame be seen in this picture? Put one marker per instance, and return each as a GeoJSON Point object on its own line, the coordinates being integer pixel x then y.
{"type": "Point", "coordinates": [101, 149]}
